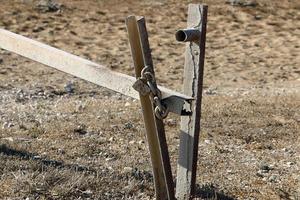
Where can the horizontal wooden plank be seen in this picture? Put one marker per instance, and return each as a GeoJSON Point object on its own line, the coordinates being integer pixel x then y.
{"type": "Point", "coordinates": [82, 68]}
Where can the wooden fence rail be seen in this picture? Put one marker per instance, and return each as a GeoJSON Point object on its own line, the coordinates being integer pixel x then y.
{"type": "Point", "coordinates": [158, 98]}
{"type": "Point", "coordinates": [82, 68]}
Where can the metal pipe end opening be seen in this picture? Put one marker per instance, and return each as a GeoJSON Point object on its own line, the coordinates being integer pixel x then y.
{"type": "Point", "coordinates": [181, 36]}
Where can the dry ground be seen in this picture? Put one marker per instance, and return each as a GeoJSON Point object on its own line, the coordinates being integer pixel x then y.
{"type": "Point", "coordinates": [89, 143]}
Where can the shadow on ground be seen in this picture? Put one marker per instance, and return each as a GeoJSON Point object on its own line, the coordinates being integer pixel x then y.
{"type": "Point", "coordinates": [210, 192]}
{"type": "Point", "coordinates": [5, 150]}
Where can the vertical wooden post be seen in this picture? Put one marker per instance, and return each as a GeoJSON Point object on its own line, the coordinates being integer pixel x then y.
{"type": "Point", "coordinates": [152, 129]}
{"type": "Point", "coordinates": [193, 82]}
{"type": "Point", "coordinates": [159, 122]}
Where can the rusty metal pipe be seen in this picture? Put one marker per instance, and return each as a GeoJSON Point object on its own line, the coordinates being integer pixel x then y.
{"type": "Point", "coordinates": [185, 35]}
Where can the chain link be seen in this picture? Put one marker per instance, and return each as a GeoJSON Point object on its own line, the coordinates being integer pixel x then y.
{"type": "Point", "coordinates": [161, 111]}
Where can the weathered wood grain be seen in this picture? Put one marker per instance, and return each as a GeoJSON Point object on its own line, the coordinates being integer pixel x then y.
{"type": "Point", "coordinates": [161, 190]}
{"type": "Point", "coordinates": [82, 68]}
{"type": "Point", "coordinates": [160, 129]}
{"type": "Point", "coordinates": [190, 125]}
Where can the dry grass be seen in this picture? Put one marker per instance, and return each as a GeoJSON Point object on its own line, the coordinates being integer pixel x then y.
{"type": "Point", "coordinates": [90, 144]}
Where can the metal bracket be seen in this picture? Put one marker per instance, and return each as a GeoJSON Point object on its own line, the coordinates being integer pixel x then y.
{"type": "Point", "coordinates": [175, 104]}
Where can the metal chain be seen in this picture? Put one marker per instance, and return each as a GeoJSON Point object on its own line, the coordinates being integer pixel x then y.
{"type": "Point", "coordinates": [161, 111]}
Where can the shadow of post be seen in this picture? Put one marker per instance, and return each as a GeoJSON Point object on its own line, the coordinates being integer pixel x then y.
{"type": "Point", "coordinates": [5, 150]}
{"type": "Point", "coordinates": [208, 191]}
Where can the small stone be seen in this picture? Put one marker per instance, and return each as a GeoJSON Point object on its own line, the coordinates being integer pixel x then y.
{"type": "Point", "coordinates": [211, 91]}
{"type": "Point", "coordinates": [131, 142]}
{"type": "Point", "coordinates": [207, 141]}
{"type": "Point", "coordinates": [128, 125]}
{"type": "Point", "coordinates": [265, 168]}
{"type": "Point", "coordinates": [110, 168]}
{"type": "Point", "coordinates": [264, 171]}
{"type": "Point", "coordinates": [81, 130]}
{"type": "Point", "coordinates": [258, 17]}
{"type": "Point", "coordinates": [48, 6]}
{"type": "Point", "coordinates": [290, 163]}
{"type": "Point", "coordinates": [80, 108]}
{"type": "Point", "coordinates": [7, 125]}
{"type": "Point", "coordinates": [87, 192]}
{"type": "Point", "coordinates": [37, 157]}
{"type": "Point", "coordinates": [260, 174]}
{"type": "Point", "coordinates": [44, 154]}
{"type": "Point", "coordinates": [265, 179]}
{"type": "Point", "coordinates": [272, 178]}
{"type": "Point", "coordinates": [109, 159]}
{"type": "Point", "coordinates": [61, 151]}
{"type": "Point", "coordinates": [20, 95]}
{"type": "Point", "coordinates": [127, 104]}
{"type": "Point", "coordinates": [69, 88]}
{"type": "Point", "coordinates": [127, 169]}
{"type": "Point", "coordinates": [38, 29]}
{"type": "Point", "coordinates": [141, 142]}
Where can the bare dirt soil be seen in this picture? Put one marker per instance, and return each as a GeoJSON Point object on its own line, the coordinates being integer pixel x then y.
{"type": "Point", "coordinates": [64, 138]}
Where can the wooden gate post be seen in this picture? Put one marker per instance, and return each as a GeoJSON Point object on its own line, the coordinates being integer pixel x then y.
{"type": "Point", "coordinates": [160, 127]}
{"type": "Point", "coordinates": [195, 36]}
{"type": "Point", "coordinates": [141, 54]}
